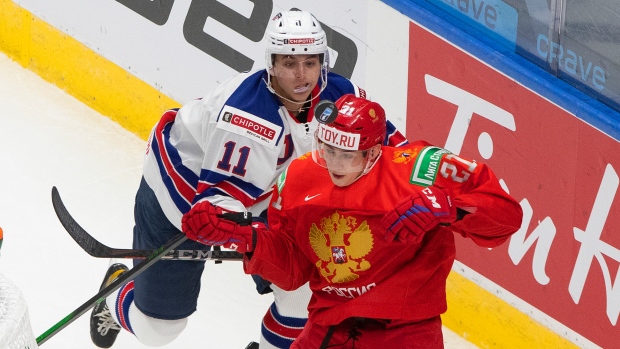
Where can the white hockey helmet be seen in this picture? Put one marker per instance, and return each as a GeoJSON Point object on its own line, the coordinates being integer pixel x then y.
{"type": "Point", "coordinates": [296, 33]}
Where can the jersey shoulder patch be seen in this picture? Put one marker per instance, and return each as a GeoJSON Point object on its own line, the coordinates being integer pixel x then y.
{"type": "Point", "coordinates": [426, 166]}
{"type": "Point", "coordinates": [281, 180]}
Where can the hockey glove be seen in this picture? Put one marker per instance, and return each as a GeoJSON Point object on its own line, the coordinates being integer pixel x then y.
{"type": "Point", "coordinates": [210, 225]}
{"type": "Point", "coordinates": [419, 213]}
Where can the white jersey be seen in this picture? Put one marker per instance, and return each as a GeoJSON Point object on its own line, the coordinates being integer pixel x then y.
{"type": "Point", "coordinates": [230, 146]}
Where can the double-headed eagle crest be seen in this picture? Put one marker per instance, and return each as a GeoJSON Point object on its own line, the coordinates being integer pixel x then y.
{"type": "Point", "coordinates": [341, 245]}
{"type": "Point", "coordinates": [404, 156]}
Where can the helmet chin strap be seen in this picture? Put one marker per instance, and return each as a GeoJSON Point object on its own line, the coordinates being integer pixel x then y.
{"type": "Point", "coordinates": [272, 90]}
{"type": "Point", "coordinates": [324, 70]}
{"type": "Point", "coordinates": [371, 164]}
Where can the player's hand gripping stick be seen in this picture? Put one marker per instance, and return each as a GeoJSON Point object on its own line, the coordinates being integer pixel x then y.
{"type": "Point", "coordinates": [210, 225]}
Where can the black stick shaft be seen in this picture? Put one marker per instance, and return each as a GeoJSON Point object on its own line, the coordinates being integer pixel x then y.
{"type": "Point", "coordinates": [106, 291]}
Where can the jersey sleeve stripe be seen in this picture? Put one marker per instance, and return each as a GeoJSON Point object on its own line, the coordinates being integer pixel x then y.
{"type": "Point", "coordinates": [229, 189]}
{"type": "Point", "coordinates": [176, 177]}
{"type": "Point", "coordinates": [393, 137]}
{"type": "Point", "coordinates": [180, 202]}
{"type": "Point", "coordinates": [213, 178]}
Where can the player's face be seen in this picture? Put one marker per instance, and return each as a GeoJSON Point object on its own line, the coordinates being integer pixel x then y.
{"type": "Point", "coordinates": [344, 166]}
{"type": "Point", "coordinates": [343, 180]}
{"type": "Point", "coordinates": [294, 76]}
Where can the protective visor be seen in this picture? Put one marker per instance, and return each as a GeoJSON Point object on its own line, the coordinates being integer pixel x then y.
{"type": "Point", "coordinates": [337, 151]}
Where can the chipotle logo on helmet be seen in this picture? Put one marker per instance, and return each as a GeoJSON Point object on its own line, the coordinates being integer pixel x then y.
{"type": "Point", "coordinates": [299, 41]}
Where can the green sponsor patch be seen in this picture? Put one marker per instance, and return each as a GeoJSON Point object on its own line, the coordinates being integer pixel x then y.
{"type": "Point", "coordinates": [281, 180]}
{"type": "Point", "coordinates": [426, 166]}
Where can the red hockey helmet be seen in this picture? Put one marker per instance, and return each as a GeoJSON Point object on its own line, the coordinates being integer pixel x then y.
{"type": "Point", "coordinates": [341, 145]}
{"type": "Point", "coordinates": [359, 125]}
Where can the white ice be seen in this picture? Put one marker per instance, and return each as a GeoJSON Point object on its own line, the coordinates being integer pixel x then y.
{"type": "Point", "coordinates": [48, 138]}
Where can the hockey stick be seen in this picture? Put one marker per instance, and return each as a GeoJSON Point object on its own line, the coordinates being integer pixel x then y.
{"type": "Point", "coordinates": [116, 284]}
{"type": "Point", "coordinates": [96, 249]}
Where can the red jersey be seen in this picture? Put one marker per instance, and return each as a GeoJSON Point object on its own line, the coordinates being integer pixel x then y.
{"type": "Point", "coordinates": [332, 236]}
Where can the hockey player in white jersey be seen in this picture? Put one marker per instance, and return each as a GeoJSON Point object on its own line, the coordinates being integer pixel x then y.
{"type": "Point", "coordinates": [228, 148]}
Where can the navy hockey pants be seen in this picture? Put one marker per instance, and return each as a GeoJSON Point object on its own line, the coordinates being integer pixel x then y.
{"type": "Point", "coordinates": [167, 289]}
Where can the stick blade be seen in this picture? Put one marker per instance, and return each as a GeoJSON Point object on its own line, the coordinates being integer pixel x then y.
{"type": "Point", "coordinates": [97, 249]}
{"type": "Point", "coordinates": [85, 240]}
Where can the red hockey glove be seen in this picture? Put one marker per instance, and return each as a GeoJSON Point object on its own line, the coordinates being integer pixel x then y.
{"type": "Point", "coordinates": [210, 225]}
{"type": "Point", "coordinates": [418, 214]}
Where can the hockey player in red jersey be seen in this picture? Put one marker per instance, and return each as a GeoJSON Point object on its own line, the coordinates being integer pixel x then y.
{"type": "Point", "coordinates": [371, 228]}
{"type": "Point", "coordinates": [226, 149]}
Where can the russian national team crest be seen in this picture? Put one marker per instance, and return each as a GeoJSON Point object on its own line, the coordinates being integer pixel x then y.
{"type": "Point", "coordinates": [404, 156]}
{"type": "Point", "coordinates": [340, 262]}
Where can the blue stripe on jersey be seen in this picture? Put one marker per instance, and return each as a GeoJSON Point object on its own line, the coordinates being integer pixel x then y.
{"type": "Point", "coordinates": [210, 192]}
{"type": "Point", "coordinates": [336, 87]}
{"type": "Point", "coordinates": [212, 178]}
{"type": "Point", "coordinates": [252, 96]}
{"type": "Point", "coordinates": [181, 171]}
{"type": "Point", "coordinates": [390, 130]}
{"type": "Point", "coordinates": [252, 190]}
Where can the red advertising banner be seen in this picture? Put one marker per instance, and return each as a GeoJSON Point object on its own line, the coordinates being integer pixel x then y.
{"type": "Point", "coordinates": [564, 260]}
